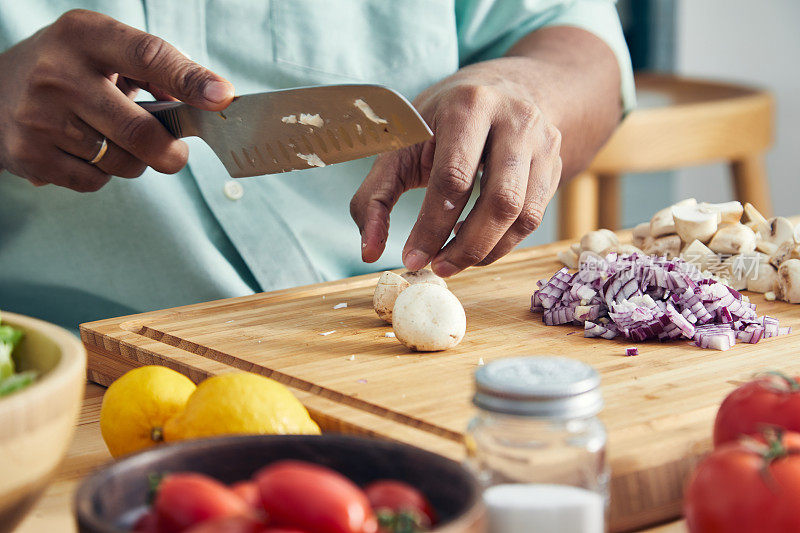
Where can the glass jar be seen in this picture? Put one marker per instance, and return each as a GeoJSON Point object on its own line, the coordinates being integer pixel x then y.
{"type": "Point", "coordinates": [538, 447]}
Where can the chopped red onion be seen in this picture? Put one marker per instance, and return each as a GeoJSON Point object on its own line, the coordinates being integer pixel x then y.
{"type": "Point", "coordinates": [648, 297]}
{"type": "Point", "coordinates": [632, 351]}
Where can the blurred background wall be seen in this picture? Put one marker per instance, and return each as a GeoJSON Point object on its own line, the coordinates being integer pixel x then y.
{"type": "Point", "coordinates": [756, 43]}
{"type": "Point", "coordinates": [742, 41]}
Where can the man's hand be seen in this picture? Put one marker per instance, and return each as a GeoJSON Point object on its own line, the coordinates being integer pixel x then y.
{"type": "Point", "coordinates": [480, 118]}
{"type": "Point", "coordinates": [506, 116]}
{"type": "Point", "coordinates": [71, 84]}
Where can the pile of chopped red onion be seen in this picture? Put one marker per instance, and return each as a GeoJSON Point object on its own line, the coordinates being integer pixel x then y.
{"type": "Point", "coordinates": [643, 297]}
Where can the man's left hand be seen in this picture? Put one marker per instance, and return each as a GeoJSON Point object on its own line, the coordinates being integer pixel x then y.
{"type": "Point", "coordinates": [481, 120]}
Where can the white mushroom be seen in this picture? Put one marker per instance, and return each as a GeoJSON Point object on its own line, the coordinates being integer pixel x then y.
{"type": "Point", "coordinates": [640, 233]}
{"type": "Point", "coordinates": [389, 287]}
{"type": "Point", "coordinates": [738, 269]}
{"type": "Point", "coordinates": [753, 215]}
{"type": "Point", "coordinates": [789, 281]}
{"type": "Point", "coordinates": [669, 245]}
{"type": "Point", "coordinates": [596, 241]}
{"type": "Point", "coordinates": [576, 247]}
{"type": "Point", "coordinates": [589, 257]}
{"type": "Point", "coordinates": [767, 247]}
{"type": "Point", "coordinates": [662, 223]}
{"type": "Point", "coordinates": [622, 249]}
{"type": "Point", "coordinates": [569, 258]}
{"type": "Point", "coordinates": [764, 279]}
{"type": "Point", "coordinates": [424, 275]}
{"type": "Point", "coordinates": [610, 234]}
{"type": "Point", "coordinates": [778, 231]}
{"type": "Point", "coordinates": [729, 212]}
{"type": "Point", "coordinates": [691, 223]}
{"type": "Point", "coordinates": [698, 254]}
{"type": "Point", "coordinates": [428, 318]}
{"type": "Point", "coordinates": [787, 250]}
{"type": "Point", "coordinates": [733, 239]}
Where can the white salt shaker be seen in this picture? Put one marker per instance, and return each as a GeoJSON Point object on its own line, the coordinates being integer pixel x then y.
{"type": "Point", "coordinates": [538, 447]}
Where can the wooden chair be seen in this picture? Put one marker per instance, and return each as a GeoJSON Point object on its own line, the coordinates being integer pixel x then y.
{"type": "Point", "coordinates": [696, 122]}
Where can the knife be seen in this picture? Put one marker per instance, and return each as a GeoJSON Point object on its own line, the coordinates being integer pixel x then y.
{"type": "Point", "coordinates": [295, 129]}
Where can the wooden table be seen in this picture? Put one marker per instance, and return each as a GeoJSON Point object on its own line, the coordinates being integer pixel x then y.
{"type": "Point", "coordinates": [53, 512]}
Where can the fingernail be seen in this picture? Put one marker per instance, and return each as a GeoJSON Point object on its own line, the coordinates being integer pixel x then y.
{"type": "Point", "coordinates": [217, 91]}
{"type": "Point", "coordinates": [444, 269]}
{"type": "Point", "coordinates": [415, 259]}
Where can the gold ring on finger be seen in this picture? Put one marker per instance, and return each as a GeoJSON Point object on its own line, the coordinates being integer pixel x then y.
{"type": "Point", "coordinates": [100, 153]}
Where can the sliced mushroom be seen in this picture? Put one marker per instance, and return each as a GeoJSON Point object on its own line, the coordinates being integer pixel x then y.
{"type": "Point", "coordinates": [753, 215]}
{"type": "Point", "coordinates": [640, 233]}
{"type": "Point", "coordinates": [596, 241]}
{"type": "Point", "coordinates": [729, 212]}
{"type": "Point", "coordinates": [767, 247]}
{"type": "Point", "coordinates": [764, 279]}
{"type": "Point", "coordinates": [789, 281]}
{"type": "Point", "coordinates": [787, 250]}
{"type": "Point", "coordinates": [691, 223]}
{"type": "Point", "coordinates": [698, 254]}
{"type": "Point", "coordinates": [569, 258]}
{"type": "Point", "coordinates": [668, 245]}
{"type": "Point", "coordinates": [389, 287]}
{"type": "Point", "coordinates": [736, 275]}
{"type": "Point", "coordinates": [733, 239]}
{"type": "Point", "coordinates": [778, 231]}
{"type": "Point", "coordinates": [622, 249]}
{"type": "Point", "coordinates": [662, 223]}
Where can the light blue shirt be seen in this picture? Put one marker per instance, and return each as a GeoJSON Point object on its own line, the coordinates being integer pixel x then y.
{"type": "Point", "coordinates": [162, 241]}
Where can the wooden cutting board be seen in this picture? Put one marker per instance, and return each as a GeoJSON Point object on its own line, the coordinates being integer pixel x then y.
{"type": "Point", "coordinates": [659, 405]}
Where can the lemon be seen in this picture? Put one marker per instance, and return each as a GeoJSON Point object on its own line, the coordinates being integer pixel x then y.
{"type": "Point", "coordinates": [138, 404]}
{"type": "Point", "coordinates": [239, 403]}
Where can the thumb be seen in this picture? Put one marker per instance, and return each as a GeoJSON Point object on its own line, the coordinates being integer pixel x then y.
{"type": "Point", "coordinates": [373, 201]}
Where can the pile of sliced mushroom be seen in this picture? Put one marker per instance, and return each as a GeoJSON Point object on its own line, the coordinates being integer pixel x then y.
{"type": "Point", "coordinates": [734, 243]}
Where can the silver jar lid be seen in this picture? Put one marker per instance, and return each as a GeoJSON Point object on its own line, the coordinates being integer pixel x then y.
{"type": "Point", "coordinates": [547, 387]}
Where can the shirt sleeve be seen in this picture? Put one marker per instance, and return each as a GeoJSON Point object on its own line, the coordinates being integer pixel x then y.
{"type": "Point", "coordinates": [487, 29]}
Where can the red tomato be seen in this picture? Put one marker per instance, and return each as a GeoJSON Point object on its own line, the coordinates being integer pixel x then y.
{"type": "Point", "coordinates": [228, 524]}
{"type": "Point", "coordinates": [314, 498]}
{"type": "Point", "coordinates": [397, 497]}
{"type": "Point", "coordinates": [184, 500]}
{"type": "Point", "coordinates": [248, 491]}
{"type": "Point", "coordinates": [281, 530]}
{"type": "Point", "coordinates": [771, 400]}
{"type": "Point", "coordinates": [751, 486]}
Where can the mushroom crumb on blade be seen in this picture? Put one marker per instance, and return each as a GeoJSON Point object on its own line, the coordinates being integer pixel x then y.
{"type": "Point", "coordinates": [313, 160]}
{"type": "Point", "coordinates": [368, 112]}
{"type": "Point", "coordinates": [425, 315]}
{"type": "Point", "coordinates": [729, 242]}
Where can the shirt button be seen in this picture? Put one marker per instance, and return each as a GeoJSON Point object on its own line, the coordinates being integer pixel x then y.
{"type": "Point", "coordinates": [233, 190]}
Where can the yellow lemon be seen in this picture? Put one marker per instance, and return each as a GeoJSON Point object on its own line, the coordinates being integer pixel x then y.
{"type": "Point", "coordinates": [240, 403]}
{"type": "Point", "coordinates": [138, 404]}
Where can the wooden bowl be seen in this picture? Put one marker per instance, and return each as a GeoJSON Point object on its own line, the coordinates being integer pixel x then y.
{"type": "Point", "coordinates": [113, 498]}
{"type": "Point", "coordinates": [36, 423]}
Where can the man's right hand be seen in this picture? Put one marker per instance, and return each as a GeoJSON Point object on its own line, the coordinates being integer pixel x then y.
{"type": "Point", "coordinates": [69, 86]}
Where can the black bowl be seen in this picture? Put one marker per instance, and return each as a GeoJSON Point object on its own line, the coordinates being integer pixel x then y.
{"type": "Point", "coordinates": [111, 499]}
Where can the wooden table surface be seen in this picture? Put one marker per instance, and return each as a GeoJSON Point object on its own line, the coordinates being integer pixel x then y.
{"type": "Point", "coordinates": [53, 512]}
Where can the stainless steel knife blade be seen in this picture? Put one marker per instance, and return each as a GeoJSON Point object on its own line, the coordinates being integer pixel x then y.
{"type": "Point", "coordinates": [294, 129]}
